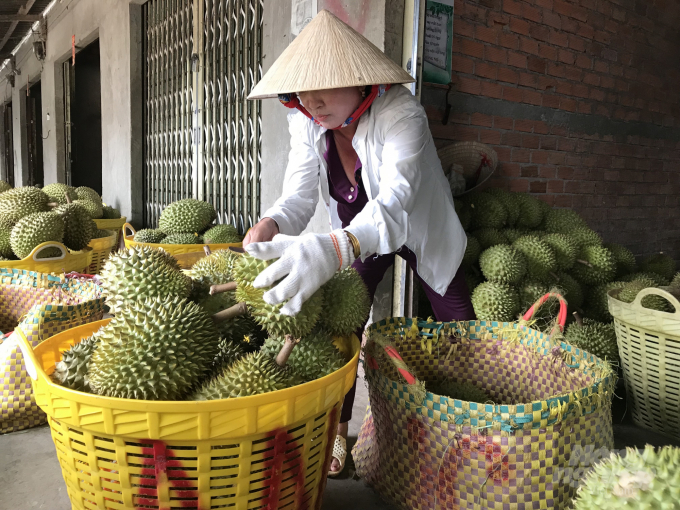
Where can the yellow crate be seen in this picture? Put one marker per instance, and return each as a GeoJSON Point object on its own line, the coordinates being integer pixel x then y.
{"type": "Point", "coordinates": [68, 261]}
{"type": "Point", "coordinates": [114, 225]}
{"type": "Point", "coordinates": [186, 254]}
{"type": "Point", "coordinates": [265, 451]}
{"type": "Point", "coordinates": [101, 249]}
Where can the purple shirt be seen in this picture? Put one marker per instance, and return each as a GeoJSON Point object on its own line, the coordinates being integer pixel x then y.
{"type": "Point", "coordinates": [351, 199]}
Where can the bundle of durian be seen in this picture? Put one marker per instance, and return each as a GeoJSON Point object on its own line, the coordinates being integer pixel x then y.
{"type": "Point", "coordinates": [189, 221]}
{"type": "Point", "coordinates": [520, 248]}
{"type": "Point", "coordinates": [207, 334]}
{"type": "Point", "coordinates": [57, 213]}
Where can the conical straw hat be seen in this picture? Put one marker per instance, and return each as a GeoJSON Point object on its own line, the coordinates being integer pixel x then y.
{"type": "Point", "coordinates": [328, 54]}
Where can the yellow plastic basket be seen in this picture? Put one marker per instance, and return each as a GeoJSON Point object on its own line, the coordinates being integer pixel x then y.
{"type": "Point", "coordinates": [67, 262]}
{"type": "Point", "coordinates": [265, 451]}
{"type": "Point", "coordinates": [649, 347]}
{"type": "Point", "coordinates": [186, 254]}
{"type": "Point", "coordinates": [115, 225]}
{"type": "Point", "coordinates": [101, 249]}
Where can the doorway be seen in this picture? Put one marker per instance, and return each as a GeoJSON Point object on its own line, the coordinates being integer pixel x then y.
{"type": "Point", "coordinates": [34, 137]}
{"type": "Point", "coordinates": [9, 144]}
{"type": "Point", "coordinates": [83, 119]}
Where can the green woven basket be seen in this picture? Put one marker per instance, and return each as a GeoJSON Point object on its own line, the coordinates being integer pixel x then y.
{"type": "Point", "coordinates": [421, 450]}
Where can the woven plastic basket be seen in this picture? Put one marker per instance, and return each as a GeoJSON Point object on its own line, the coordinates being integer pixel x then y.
{"type": "Point", "coordinates": [474, 161]}
{"type": "Point", "coordinates": [265, 451]}
{"type": "Point", "coordinates": [191, 253]}
{"type": "Point", "coordinates": [115, 225]}
{"type": "Point", "coordinates": [421, 450]}
{"type": "Point", "coordinates": [67, 262]}
{"type": "Point", "coordinates": [101, 249]}
{"type": "Point", "coordinates": [649, 346]}
{"type": "Point", "coordinates": [41, 305]}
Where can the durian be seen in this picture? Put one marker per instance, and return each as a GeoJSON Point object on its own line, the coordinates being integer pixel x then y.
{"type": "Point", "coordinates": [495, 302]}
{"type": "Point", "coordinates": [595, 265]}
{"type": "Point", "coordinates": [631, 289]}
{"type": "Point", "coordinates": [78, 226]}
{"type": "Point", "coordinates": [222, 234]}
{"type": "Point", "coordinates": [530, 211]}
{"type": "Point", "coordinates": [228, 351]}
{"type": "Point", "coordinates": [186, 216]}
{"type": "Point", "coordinates": [625, 260]}
{"type": "Point", "coordinates": [216, 267]}
{"type": "Point", "coordinates": [86, 193]}
{"type": "Point", "coordinates": [487, 211]}
{"type": "Point", "coordinates": [156, 349]}
{"type": "Point", "coordinates": [18, 203]}
{"type": "Point", "coordinates": [35, 229]}
{"type": "Point", "coordinates": [71, 371]}
{"type": "Point", "coordinates": [472, 251]}
{"type": "Point", "coordinates": [5, 246]}
{"type": "Point", "coordinates": [531, 291]}
{"type": "Point", "coordinates": [655, 277]}
{"type": "Point", "coordinates": [512, 234]}
{"type": "Point", "coordinates": [459, 390]}
{"type": "Point", "coordinates": [472, 280]}
{"type": "Point", "coordinates": [541, 261]}
{"type": "Point", "coordinates": [597, 305]}
{"type": "Point", "coordinates": [94, 209]}
{"type": "Point", "coordinates": [149, 235]}
{"type": "Point", "coordinates": [99, 234]}
{"type": "Point", "coordinates": [182, 239]}
{"type": "Point", "coordinates": [564, 248]}
{"type": "Point", "coordinates": [141, 272]}
{"type": "Point", "coordinates": [346, 303]}
{"type": "Point", "coordinates": [503, 264]}
{"type": "Point", "coordinates": [5, 186]}
{"type": "Point", "coordinates": [584, 236]}
{"type": "Point", "coordinates": [110, 213]}
{"type": "Point", "coordinates": [659, 263]}
{"type": "Point", "coordinates": [489, 237]}
{"type": "Point", "coordinates": [562, 221]}
{"type": "Point", "coordinates": [595, 338]}
{"type": "Point", "coordinates": [508, 201]}
{"type": "Point", "coordinates": [60, 193]}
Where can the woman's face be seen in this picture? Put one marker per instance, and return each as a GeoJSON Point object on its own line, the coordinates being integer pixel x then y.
{"type": "Point", "coordinates": [331, 107]}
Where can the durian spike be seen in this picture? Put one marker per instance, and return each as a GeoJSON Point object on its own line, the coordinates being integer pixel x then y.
{"type": "Point", "coordinates": [207, 251]}
{"type": "Point", "coordinates": [584, 262]}
{"type": "Point", "coordinates": [222, 287]}
{"type": "Point", "coordinates": [578, 318]}
{"type": "Point", "coordinates": [286, 350]}
{"type": "Point", "coordinates": [230, 313]}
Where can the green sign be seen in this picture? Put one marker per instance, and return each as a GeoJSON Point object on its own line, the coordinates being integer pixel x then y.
{"type": "Point", "coordinates": [437, 41]}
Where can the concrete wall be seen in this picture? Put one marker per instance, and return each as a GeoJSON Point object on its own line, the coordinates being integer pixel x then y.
{"type": "Point", "coordinates": [117, 24]}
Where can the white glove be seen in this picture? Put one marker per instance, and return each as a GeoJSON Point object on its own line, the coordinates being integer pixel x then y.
{"type": "Point", "coordinates": [305, 264]}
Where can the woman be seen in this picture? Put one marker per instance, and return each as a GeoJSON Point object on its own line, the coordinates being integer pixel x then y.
{"type": "Point", "coordinates": [370, 151]}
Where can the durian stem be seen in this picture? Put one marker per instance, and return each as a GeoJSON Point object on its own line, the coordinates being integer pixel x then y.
{"type": "Point", "coordinates": [68, 199]}
{"type": "Point", "coordinates": [286, 350]}
{"type": "Point", "coordinates": [207, 251]}
{"type": "Point", "coordinates": [222, 287]}
{"type": "Point", "coordinates": [584, 262]}
{"type": "Point", "coordinates": [52, 205]}
{"type": "Point", "coordinates": [579, 321]}
{"type": "Point", "coordinates": [230, 313]}
{"type": "Point", "coordinates": [554, 275]}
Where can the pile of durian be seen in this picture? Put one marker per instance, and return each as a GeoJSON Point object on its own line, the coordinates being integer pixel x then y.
{"type": "Point", "coordinates": [519, 248]}
{"type": "Point", "coordinates": [207, 333]}
{"type": "Point", "coordinates": [31, 216]}
{"type": "Point", "coordinates": [189, 221]}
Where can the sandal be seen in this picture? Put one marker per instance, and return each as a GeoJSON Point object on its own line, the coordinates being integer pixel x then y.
{"type": "Point", "coordinates": [340, 453]}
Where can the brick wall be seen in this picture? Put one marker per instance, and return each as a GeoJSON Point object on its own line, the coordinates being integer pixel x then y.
{"type": "Point", "coordinates": [581, 100]}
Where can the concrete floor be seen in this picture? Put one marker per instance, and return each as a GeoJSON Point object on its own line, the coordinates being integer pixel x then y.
{"type": "Point", "coordinates": [29, 466]}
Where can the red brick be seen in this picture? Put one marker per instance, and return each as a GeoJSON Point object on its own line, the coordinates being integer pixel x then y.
{"type": "Point", "coordinates": [520, 155]}
{"type": "Point", "coordinates": [473, 12]}
{"type": "Point", "coordinates": [528, 46]}
{"type": "Point", "coordinates": [462, 64]}
{"type": "Point", "coordinates": [551, 19]}
{"type": "Point", "coordinates": [479, 119]}
{"type": "Point", "coordinates": [545, 83]}
{"type": "Point", "coordinates": [555, 70]}
{"type": "Point", "coordinates": [603, 37]}
{"type": "Point", "coordinates": [511, 139]}
{"type": "Point", "coordinates": [607, 82]}
{"type": "Point", "coordinates": [485, 70]}
{"type": "Point", "coordinates": [547, 172]}
{"type": "Point", "coordinates": [547, 4]}
{"type": "Point", "coordinates": [531, 97]}
{"type": "Point", "coordinates": [531, 13]}
{"type": "Point", "coordinates": [492, 90]}
{"type": "Point", "coordinates": [541, 127]}
{"type": "Point", "coordinates": [610, 54]}
{"type": "Point", "coordinates": [566, 56]}
{"type": "Point", "coordinates": [507, 75]}
{"type": "Point", "coordinates": [517, 60]}
{"type": "Point", "coordinates": [496, 55]}
{"type": "Point", "coordinates": [472, 48]}
{"type": "Point", "coordinates": [601, 109]}
{"type": "Point", "coordinates": [568, 104]}
{"type": "Point", "coordinates": [573, 73]}
{"type": "Point", "coordinates": [584, 62]}
{"type": "Point", "coordinates": [530, 141]}
{"type": "Point", "coordinates": [556, 158]}
{"type": "Point", "coordinates": [503, 122]}
{"type": "Point", "coordinates": [585, 107]}
{"type": "Point", "coordinates": [569, 25]}
{"type": "Point", "coordinates": [537, 65]}
{"type": "Point", "coordinates": [537, 187]}
{"type": "Point", "coordinates": [559, 38]}
{"type": "Point", "coordinates": [466, 134]}
{"type": "Point", "coordinates": [555, 186]}
{"type": "Point", "coordinates": [611, 26]}
{"type": "Point", "coordinates": [540, 32]}
{"type": "Point", "coordinates": [527, 80]}
{"type": "Point", "coordinates": [570, 10]}
{"type": "Point", "coordinates": [566, 144]}
{"type": "Point", "coordinates": [564, 87]}
{"type": "Point", "coordinates": [508, 40]}
{"type": "Point", "coordinates": [469, 86]}
{"type": "Point", "coordinates": [519, 26]}
{"type": "Point", "coordinates": [591, 79]}
{"type": "Point", "coordinates": [596, 94]}
{"type": "Point", "coordinates": [486, 34]}
{"type": "Point", "coordinates": [489, 136]}
{"type": "Point", "coordinates": [463, 27]}
{"type": "Point", "coordinates": [548, 52]}
{"type": "Point", "coordinates": [577, 43]}
{"type": "Point", "coordinates": [496, 18]}
{"type": "Point", "coordinates": [512, 7]}
{"type": "Point", "coordinates": [565, 172]}
{"type": "Point", "coordinates": [524, 125]}
{"type": "Point", "coordinates": [512, 94]}
{"type": "Point", "coordinates": [529, 171]}
{"type": "Point", "coordinates": [601, 67]}
{"type": "Point", "coordinates": [551, 101]}
{"type": "Point", "coordinates": [586, 31]}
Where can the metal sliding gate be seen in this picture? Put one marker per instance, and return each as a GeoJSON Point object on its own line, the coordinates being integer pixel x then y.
{"type": "Point", "coordinates": [202, 137]}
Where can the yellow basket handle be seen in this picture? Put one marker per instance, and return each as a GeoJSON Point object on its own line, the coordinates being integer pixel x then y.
{"type": "Point", "coordinates": [41, 247]}
{"type": "Point", "coordinates": [655, 291]}
{"type": "Point", "coordinates": [31, 362]}
{"type": "Point", "coordinates": [129, 227]}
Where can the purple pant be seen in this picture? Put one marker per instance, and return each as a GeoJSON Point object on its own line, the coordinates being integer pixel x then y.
{"type": "Point", "coordinates": [454, 305]}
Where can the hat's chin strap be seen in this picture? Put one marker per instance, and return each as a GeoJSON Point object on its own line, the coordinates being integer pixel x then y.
{"type": "Point", "coordinates": [292, 101]}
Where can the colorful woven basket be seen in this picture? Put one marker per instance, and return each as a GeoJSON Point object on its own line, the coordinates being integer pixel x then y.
{"type": "Point", "coordinates": [41, 305]}
{"type": "Point", "coordinates": [421, 450]}
{"type": "Point", "coordinates": [649, 346]}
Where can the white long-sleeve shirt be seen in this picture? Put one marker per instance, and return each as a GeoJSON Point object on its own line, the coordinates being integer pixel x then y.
{"type": "Point", "coordinates": [410, 199]}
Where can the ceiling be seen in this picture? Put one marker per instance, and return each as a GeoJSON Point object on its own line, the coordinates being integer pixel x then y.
{"type": "Point", "coordinates": [16, 19]}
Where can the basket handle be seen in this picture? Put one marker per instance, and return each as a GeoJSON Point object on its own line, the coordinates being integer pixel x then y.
{"type": "Point", "coordinates": [129, 227]}
{"type": "Point", "coordinates": [398, 362]}
{"type": "Point", "coordinates": [656, 291]}
{"type": "Point", "coordinates": [562, 314]}
{"type": "Point", "coordinates": [31, 362]}
{"type": "Point", "coordinates": [38, 249]}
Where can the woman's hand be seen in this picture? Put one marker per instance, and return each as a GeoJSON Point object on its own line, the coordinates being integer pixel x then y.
{"type": "Point", "coordinates": [262, 232]}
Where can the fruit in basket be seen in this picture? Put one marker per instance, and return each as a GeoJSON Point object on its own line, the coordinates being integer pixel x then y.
{"type": "Point", "coordinates": [94, 209]}
{"type": "Point", "coordinates": [314, 356]}
{"type": "Point", "coordinates": [78, 226]}
{"type": "Point", "coordinates": [459, 390]}
{"type": "Point", "coordinates": [5, 246]}
{"type": "Point", "coordinates": [346, 304]}
{"type": "Point", "coordinates": [186, 216]}
{"type": "Point", "coordinates": [509, 202]}
{"type": "Point", "coordinates": [625, 260]}
{"type": "Point", "coordinates": [35, 229]}
{"type": "Point", "coordinates": [228, 351]}
{"type": "Point", "coordinates": [252, 374]}
{"type": "Point", "coordinates": [233, 329]}
{"type": "Point", "coordinates": [659, 263]}
{"type": "Point", "coordinates": [655, 277]}
{"type": "Point", "coordinates": [487, 211]}
{"type": "Point", "coordinates": [155, 349]}
{"type": "Point", "coordinates": [646, 479]}
{"type": "Point", "coordinates": [216, 267]}
{"type": "Point", "coordinates": [594, 265]}
{"type": "Point", "coordinates": [149, 235]}
{"type": "Point", "coordinates": [496, 302]}
{"type": "Point", "coordinates": [60, 193]}
{"type": "Point", "coordinates": [541, 261]}
{"type": "Point", "coordinates": [268, 316]}
{"type": "Point", "coordinates": [222, 234]}
{"type": "Point", "coordinates": [631, 289]}
{"type": "Point", "coordinates": [5, 186]}
{"type": "Point", "coordinates": [489, 237]}
{"type": "Point", "coordinates": [182, 239]}
{"type": "Point", "coordinates": [99, 234]}
{"type": "Point", "coordinates": [503, 264]}
{"type": "Point", "coordinates": [110, 213]}
{"type": "Point", "coordinates": [18, 203]}
{"type": "Point", "coordinates": [676, 281]}
{"type": "Point", "coordinates": [564, 248]}
{"type": "Point", "coordinates": [71, 371]}
{"type": "Point", "coordinates": [530, 211]}
{"type": "Point", "coordinates": [87, 193]}
{"type": "Point", "coordinates": [594, 337]}
{"type": "Point", "coordinates": [141, 272]}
